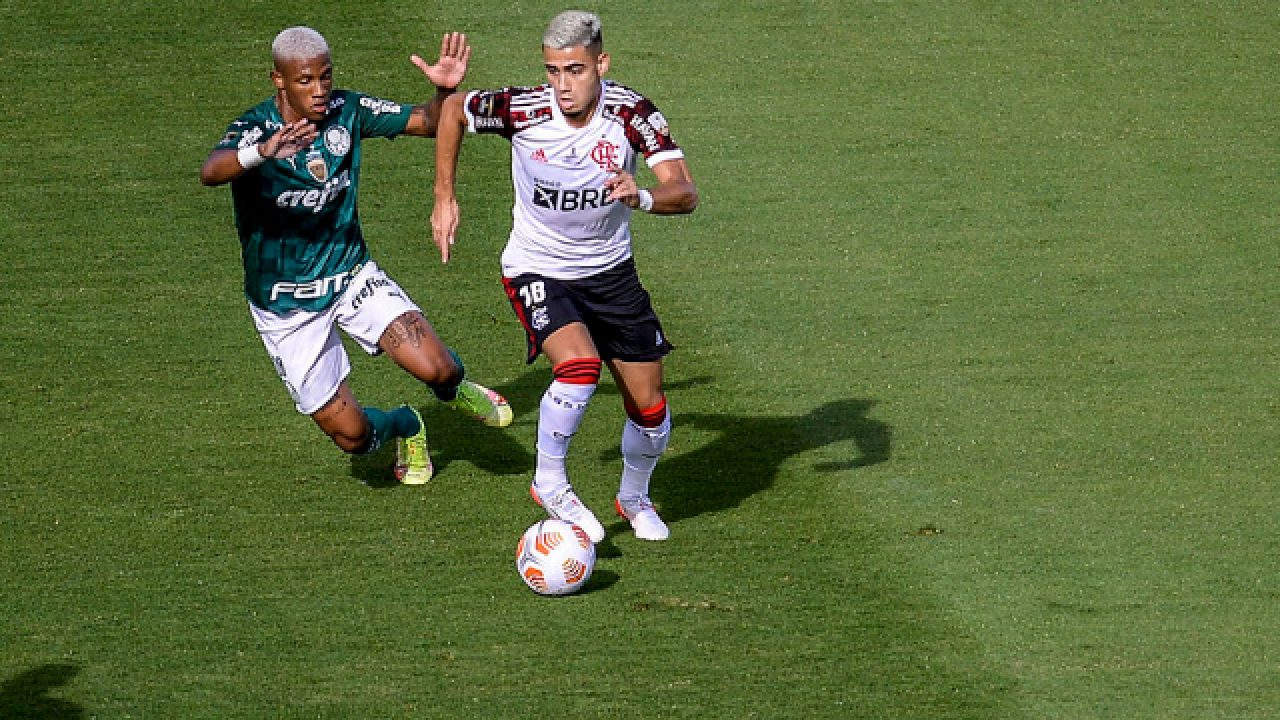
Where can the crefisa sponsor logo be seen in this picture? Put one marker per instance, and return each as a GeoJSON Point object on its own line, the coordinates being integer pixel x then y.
{"type": "Point", "coordinates": [315, 199]}
{"type": "Point", "coordinates": [371, 287]}
{"type": "Point", "coordinates": [378, 107]}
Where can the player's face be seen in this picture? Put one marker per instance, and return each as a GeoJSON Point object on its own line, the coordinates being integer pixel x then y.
{"type": "Point", "coordinates": [305, 87]}
{"type": "Point", "coordinates": [574, 74]}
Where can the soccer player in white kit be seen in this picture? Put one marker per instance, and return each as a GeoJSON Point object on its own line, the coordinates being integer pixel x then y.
{"type": "Point", "coordinates": [567, 266]}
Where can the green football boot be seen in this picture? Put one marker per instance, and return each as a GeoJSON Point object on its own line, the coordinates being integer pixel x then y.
{"type": "Point", "coordinates": [482, 403]}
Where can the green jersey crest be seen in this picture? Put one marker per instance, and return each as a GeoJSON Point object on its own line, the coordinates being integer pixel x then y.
{"type": "Point", "coordinates": [299, 227]}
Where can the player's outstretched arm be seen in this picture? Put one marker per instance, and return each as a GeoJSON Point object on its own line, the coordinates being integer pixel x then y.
{"type": "Point", "coordinates": [675, 193]}
{"type": "Point", "coordinates": [226, 164]}
{"type": "Point", "coordinates": [445, 214]}
{"type": "Point", "coordinates": [447, 74]}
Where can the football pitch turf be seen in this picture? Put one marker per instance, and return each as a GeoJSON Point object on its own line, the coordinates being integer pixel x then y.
{"type": "Point", "coordinates": [975, 394]}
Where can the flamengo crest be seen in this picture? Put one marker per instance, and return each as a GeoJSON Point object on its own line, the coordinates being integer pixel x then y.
{"type": "Point", "coordinates": [605, 154]}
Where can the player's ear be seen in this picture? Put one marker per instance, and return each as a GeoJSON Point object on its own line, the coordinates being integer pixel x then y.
{"type": "Point", "coordinates": [602, 63]}
{"type": "Point", "coordinates": [277, 79]}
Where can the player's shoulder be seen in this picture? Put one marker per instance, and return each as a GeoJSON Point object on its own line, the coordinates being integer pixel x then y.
{"type": "Point", "coordinates": [518, 95]}
{"type": "Point", "coordinates": [619, 95]}
{"type": "Point", "coordinates": [349, 101]}
{"type": "Point", "coordinates": [514, 108]}
{"type": "Point", "coordinates": [261, 113]}
{"type": "Point", "coordinates": [251, 125]}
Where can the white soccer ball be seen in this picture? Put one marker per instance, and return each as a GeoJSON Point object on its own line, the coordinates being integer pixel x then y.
{"type": "Point", "coordinates": [555, 557]}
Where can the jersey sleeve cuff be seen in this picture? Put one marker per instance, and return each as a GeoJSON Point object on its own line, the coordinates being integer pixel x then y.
{"type": "Point", "coordinates": [665, 155]}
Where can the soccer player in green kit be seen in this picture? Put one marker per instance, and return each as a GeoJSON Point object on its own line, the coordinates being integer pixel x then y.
{"type": "Point", "coordinates": [293, 162]}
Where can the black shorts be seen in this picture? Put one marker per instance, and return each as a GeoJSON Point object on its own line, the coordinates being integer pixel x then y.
{"type": "Point", "coordinates": [612, 304]}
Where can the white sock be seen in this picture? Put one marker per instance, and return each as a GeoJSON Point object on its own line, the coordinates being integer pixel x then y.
{"type": "Point", "coordinates": [641, 448]}
{"type": "Point", "coordinates": [559, 415]}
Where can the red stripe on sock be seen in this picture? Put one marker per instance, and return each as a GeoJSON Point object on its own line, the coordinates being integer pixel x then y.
{"type": "Point", "coordinates": [579, 371]}
{"type": "Point", "coordinates": [650, 417]}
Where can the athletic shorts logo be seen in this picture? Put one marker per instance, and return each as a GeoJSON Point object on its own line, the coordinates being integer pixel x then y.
{"type": "Point", "coordinates": [374, 286]}
{"type": "Point", "coordinates": [539, 319]}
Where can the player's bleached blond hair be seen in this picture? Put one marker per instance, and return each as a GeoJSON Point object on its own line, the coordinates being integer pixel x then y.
{"type": "Point", "coordinates": [298, 43]}
{"type": "Point", "coordinates": [572, 28]}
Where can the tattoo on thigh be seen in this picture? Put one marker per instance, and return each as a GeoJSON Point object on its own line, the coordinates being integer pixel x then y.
{"type": "Point", "coordinates": [411, 330]}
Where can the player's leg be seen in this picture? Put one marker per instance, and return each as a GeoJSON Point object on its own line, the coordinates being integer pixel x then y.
{"type": "Point", "coordinates": [631, 338]}
{"type": "Point", "coordinates": [380, 317]}
{"type": "Point", "coordinates": [413, 344]}
{"type": "Point", "coordinates": [575, 370]}
{"type": "Point", "coordinates": [312, 363]}
{"type": "Point", "coordinates": [361, 431]}
{"type": "Point", "coordinates": [645, 436]}
{"type": "Point", "coordinates": [551, 320]}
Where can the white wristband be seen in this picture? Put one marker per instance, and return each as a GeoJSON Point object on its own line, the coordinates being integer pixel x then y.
{"type": "Point", "coordinates": [646, 199]}
{"type": "Point", "coordinates": [249, 157]}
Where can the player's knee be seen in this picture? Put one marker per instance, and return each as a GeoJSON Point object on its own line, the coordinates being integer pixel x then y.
{"type": "Point", "coordinates": [579, 371]}
{"type": "Point", "coordinates": [351, 437]}
{"type": "Point", "coordinates": [648, 412]}
{"type": "Point", "coordinates": [441, 369]}
{"type": "Point", "coordinates": [352, 444]}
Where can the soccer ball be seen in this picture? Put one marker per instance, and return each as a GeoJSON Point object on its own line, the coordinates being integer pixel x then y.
{"type": "Point", "coordinates": [555, 557]}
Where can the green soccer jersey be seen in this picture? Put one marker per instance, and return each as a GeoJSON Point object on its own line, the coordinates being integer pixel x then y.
{"type": "Point", "coordinates": [299, 226]}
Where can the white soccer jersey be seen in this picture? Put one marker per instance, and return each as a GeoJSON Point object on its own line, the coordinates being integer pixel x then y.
{"type": "Point", "coordinates": [562, 225]}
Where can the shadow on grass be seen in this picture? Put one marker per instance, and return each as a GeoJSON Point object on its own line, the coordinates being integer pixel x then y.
{"type": "Point", "coordinates": [452, 436]}
{"type": "Point", "coordinates": [748, 451]}
{"type": "Point", "coordinates": [27, 695]}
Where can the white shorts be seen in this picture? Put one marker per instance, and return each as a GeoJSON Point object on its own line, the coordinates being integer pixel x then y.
{"type": "Point", "coordinates": [305, 348]}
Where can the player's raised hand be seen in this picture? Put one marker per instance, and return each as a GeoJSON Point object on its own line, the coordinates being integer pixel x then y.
{"type": "Point", "coordinates": [444, 225]}
{"type": "Point", "coordinates": [289, 140]}
{"type": "Point", "coordinates": [448, 72]}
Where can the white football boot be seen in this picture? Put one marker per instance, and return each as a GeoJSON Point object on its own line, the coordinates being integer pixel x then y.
{"type": "Point", "coordinates": [643, 518]}
{"type": "Point", "coordinates": [566, 506]}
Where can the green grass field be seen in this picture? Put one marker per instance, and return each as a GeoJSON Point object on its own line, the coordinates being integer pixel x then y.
{"type": "Point", "coordinates": [976, 393]}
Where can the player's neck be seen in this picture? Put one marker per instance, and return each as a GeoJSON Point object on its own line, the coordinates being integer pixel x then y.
{"type": "Point", "coordinates": [287, 113]}
{"type": "Point", "coordinates": [582, 119]}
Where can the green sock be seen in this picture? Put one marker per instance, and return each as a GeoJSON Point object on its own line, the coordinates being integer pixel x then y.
{"type": "Point", "coordinates": [383, 425]}
{"type": "Point", "coordinates": [405, 422]}
{"type": "Point", "coordinates": [401, 422]}
{"type": "Point", "coordinates": [447, 391]}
